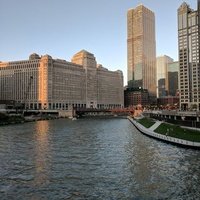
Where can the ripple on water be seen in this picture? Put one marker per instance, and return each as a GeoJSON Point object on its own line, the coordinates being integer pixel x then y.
{"type": "Point", "coordinates": [93, 159]}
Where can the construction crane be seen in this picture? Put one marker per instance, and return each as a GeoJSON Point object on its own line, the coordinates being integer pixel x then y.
{"type": "Point", "coordinates": [26, 93]}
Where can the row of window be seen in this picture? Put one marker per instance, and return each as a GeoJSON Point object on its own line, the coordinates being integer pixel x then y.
{"type": "Point", "coordinates": [66, 106]}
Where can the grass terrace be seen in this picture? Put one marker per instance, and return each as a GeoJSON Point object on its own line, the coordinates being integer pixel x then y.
{"type": "Point", "coordinates": [146, 122]}
{"type": "Point", "coordinates": [178, 132]}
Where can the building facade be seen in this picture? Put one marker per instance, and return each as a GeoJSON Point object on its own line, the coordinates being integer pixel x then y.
{"type": "Point", "coordinates": [168, 102]}
{"type": "Point", "coordinates": [141, 48]}
{"type": "Point", "coordinates": [135, 97]}
{"type": "Point", "coordinates": [162, 63]}
{"type": "Point", "coordinates": [47, 83]}
{"type": "Point", "coordinates": [173, 78]}
{"type": "Point", "coordinates": [189, 68]}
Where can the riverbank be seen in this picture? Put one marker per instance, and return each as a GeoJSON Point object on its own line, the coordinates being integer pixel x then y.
{"type": "Point", "coordinates": [18, 119]}
{"type": "Point", "coordinates": [10, 119]}
{"type": "Point", "coordinates": [6, 119]}
{"type": "Point", "coordinates": [168, 133]}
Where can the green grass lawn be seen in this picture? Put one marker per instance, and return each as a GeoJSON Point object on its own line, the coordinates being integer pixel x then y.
{"type": "Point", "coordinates": [178, 132]}
{"type": "Point", "coordinates": [146, 122]}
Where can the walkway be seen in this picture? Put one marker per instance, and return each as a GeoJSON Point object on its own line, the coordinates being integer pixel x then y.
{"type": "Point", "coordinates": [152, 128]}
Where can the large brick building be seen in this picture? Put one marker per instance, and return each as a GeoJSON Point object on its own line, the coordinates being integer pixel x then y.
{"type": "Point", "coordinates": [135, 97]}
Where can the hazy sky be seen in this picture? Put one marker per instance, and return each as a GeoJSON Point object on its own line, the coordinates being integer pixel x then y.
{"type": "Point", "coordinates": [61, 28]}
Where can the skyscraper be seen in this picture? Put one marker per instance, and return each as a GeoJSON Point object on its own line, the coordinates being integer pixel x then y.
{"type": "Point", "coordinates": [173, 78]}
{"type": "Point", "coordinates": [141, 47]}
{"type": "Point", "coordinates": [162, 63]}
{"type": "Point", "coordinates": [188, 39]}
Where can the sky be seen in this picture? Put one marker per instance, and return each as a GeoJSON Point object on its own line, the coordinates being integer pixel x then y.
{"type": "Point", "coordinates": [61, 28]}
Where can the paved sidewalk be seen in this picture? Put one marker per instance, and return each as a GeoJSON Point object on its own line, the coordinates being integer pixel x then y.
{"type": "Point", "coordinates": [152, 128]}
{"type": "Point", "coordinates": [192, 128]}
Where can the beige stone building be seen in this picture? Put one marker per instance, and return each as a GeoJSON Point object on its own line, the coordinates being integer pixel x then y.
{"type": "Point", "coordinates": [141, 48]}
{"type": "Point", "coordinates": [47, 83]}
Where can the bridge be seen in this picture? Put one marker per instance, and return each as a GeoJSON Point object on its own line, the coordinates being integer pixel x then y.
{"type": "Point", "coordinates": [75, 112]}
{"type": "Point", "coordinates": [97, 112]}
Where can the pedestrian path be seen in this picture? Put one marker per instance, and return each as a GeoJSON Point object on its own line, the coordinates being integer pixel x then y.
{"type": "Point", "coordinates": [191, 128]}
{"type": "Point", "coordinates": [153, 127]}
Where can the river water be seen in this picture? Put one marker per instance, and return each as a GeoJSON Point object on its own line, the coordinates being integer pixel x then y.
{"type": "Point", "coordinates": [93, 159]}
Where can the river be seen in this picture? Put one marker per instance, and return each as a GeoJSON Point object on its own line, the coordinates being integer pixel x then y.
{"type": "Point", "coordinates": [93, 159]}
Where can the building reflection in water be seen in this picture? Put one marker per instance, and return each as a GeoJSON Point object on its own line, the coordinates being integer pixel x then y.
{"type": "Point", "coordinates": [42, 152]}
{"type": "Point", "coordinates": [143, 166]}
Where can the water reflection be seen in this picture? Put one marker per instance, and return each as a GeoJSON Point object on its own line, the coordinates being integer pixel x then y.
{"type": "Point", "coordinates": [143, 165]}
{"type": "Point", "coordinates": [42, 156]}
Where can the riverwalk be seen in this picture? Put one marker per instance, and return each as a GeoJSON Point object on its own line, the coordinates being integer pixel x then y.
{"type": "Point", "coordinates": [150, 132]}
{"type": "Point", "coordinates": [155, 126]}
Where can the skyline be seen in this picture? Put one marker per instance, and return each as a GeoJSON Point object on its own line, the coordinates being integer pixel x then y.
{"type": "Point", "coordinates": [54, 28]}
